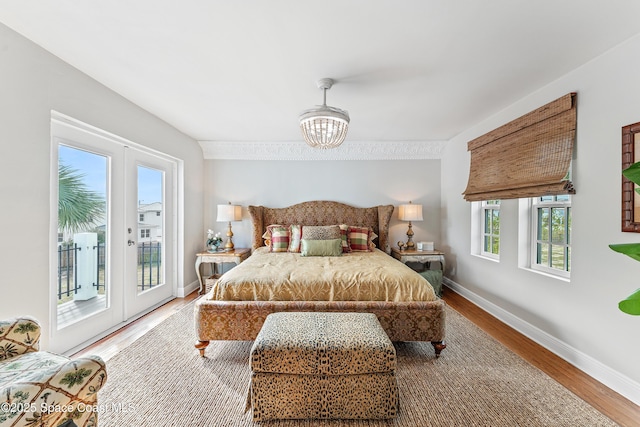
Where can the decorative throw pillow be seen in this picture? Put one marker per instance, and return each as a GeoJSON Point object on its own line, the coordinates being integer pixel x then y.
{"type": "Point", "coordinates": [320, 232]}
{"type": "Point", "coordinates": [329, 247]}
{"type": "Point", "coordinates": [267, 234]}
{"type": "Point", "coordinates": [372, 235]}
{"type": "Point", "coordinates": [344, 235]}
{"type": "Point", "coordinates": [279, 239]}
{"type": "Point", "coordinates": [295, 234]}
{"type": "Point", "coordinates": [359, 239]}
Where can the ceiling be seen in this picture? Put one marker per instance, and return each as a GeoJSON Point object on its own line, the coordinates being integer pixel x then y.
{"type": "Point", "coordinates": [239, 71]}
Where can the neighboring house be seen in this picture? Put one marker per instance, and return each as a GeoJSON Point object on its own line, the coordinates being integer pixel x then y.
{"type": "Point", "coordinates": [150, 222]}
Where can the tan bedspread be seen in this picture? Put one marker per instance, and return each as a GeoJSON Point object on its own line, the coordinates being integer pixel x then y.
{"type": "Point", "coordinates": [359, 276]}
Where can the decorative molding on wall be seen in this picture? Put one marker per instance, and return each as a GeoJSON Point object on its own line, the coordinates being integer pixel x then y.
{"type": "Point", "coordinates": [298, 150]}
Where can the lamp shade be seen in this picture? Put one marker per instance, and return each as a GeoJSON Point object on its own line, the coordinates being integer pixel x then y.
{"type": "Point", "coordinates": [410, 212]}
{"type": "Point", "coordinates": [631, 304]}
{"type": "Point", "coordinates": [228, 213]}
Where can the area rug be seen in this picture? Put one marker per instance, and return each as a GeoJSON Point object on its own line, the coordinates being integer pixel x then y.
{"type": "Point", "coordinates": [160, 380]}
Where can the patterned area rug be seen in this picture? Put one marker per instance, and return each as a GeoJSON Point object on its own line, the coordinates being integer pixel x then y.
{"type": "Point", "coordinates": [161, 381]}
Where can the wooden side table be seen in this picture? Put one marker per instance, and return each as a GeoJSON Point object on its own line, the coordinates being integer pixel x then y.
{"type": "Point", "coordinates": [236, 256]}
{"type": "Point", "coordinates": [423, 257]}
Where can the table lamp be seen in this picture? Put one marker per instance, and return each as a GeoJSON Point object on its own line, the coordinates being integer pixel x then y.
{"type": "Point", "coordinates": [410, 213]}
{"type": "Point", "coordinates": [228, 213]}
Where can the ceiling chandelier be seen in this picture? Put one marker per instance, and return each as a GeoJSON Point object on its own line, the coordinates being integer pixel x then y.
{"type": "Point", "coordinates": [324, 126]}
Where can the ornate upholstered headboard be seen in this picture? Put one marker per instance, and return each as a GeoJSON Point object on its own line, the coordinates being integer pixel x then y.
{"type": "Point", "coordinates": [323, 213]}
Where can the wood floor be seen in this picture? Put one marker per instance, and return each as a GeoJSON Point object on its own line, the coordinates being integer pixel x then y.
{"type": "Point", "coordinates": [621, 410]}
{"type": "Point", "coordinates": [610, 403]}
{"type": "Point", "coordinates": [110, 345]}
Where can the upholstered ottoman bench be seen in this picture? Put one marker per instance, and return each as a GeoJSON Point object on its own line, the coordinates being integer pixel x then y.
{"type": "Point", "coordinates": [323, 365]}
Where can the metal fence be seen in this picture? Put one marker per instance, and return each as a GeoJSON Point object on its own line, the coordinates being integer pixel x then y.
{"type": "Point", "coordinates": [149, 263]}
{"type": "Point", "coordinates": [67, 270]}
{"type": "Point", "coordinates": [149, 267]}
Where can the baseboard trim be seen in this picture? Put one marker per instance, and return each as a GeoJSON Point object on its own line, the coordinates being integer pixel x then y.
{"type": "Point", "coordinates": [191, 287]}
{"type": "Point", "coordinates": [592, 367]}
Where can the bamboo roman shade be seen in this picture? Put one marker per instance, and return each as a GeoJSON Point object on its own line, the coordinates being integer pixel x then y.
{"type": "Point", "coordinates": [528, 157]}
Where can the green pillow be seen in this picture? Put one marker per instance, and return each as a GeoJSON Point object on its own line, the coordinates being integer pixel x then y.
{"type": "Point", "coordinates": [331, 247]}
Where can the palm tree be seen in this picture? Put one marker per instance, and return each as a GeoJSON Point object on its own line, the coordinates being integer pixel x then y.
{"type": "Point", "coordinates": [76, 377]}
{"type": "Point", "coordinates": [8, 351]}
{"type": "Point", "coordinates": [25, 328]}
{"type": "Point", "coordinates": [78, 207]}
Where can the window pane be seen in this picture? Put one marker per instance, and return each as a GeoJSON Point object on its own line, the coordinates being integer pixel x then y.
{"type": "Point", "coordinates": [557, 225]}
{"type": "Point", "coordinates": [543, 254]}
{"type": "Point", "coordinates": [487, 221]}
{"type": "Point", "coordinates": [568, 225]}
{"type": "Point", "coordinates": [150, 269]}
{"type": "Point", "coordinates": [557, 258]}
{"type": "Point", "coordinates": [487, 244]}
{"type": "Point", "coordinates": [553, 233]}
{"type": "Point", "coordinates": [496, 222]}
{"type": "Point", "coordinates": [82, 282]}
{"type": "Point", "coordinates": [543, 224]}
{"type": "Point", "coordinates": [496, 245]}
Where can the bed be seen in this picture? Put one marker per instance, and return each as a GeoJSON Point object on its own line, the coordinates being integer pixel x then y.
{"type": "Point", "coordinates": [406, 314]}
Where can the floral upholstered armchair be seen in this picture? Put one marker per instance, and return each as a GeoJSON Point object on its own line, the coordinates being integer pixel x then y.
{"type": "Point", "coordinates": [43, 389]}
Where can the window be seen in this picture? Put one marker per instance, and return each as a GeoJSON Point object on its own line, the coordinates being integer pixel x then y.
{"type": "Point", "coordinates": [141, 218]}
{"type": "Point", "coordinates": [158, 213]}
{"type": "Point", "coordinates": [490, 212]}
{"type": "Point", "coordinates": [145, 233]}
{"type": "Point", "coordinates": [551, 234]}
{"type": "Point", "coordinates": [485, 229]}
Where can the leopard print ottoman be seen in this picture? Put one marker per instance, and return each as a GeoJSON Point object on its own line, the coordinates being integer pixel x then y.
{"type": "Point", "coordinates": [323, 365]}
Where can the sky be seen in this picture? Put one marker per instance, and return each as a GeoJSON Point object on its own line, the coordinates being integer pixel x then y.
{"type": "Point", "coordinates": [93, 167]}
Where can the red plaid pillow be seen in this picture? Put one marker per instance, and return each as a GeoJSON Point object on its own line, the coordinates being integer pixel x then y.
{"type": "Point", "coordinates": [359, 239]}
{"type": "Point", "coordinates": [279, 239]}
{"type": "Point", "coordinates": [267, 234]}
{"type": "Point", "coordinates": [344, 235]}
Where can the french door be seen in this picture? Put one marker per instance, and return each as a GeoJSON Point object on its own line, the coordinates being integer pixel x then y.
{"type": "Point", "coordinates": [114, 222]}
{"type": "Point", "coordinates": [150, 231]}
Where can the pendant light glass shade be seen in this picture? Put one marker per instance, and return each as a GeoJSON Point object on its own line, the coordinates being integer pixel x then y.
{"type": "Point", "coordinates": [324, 126]}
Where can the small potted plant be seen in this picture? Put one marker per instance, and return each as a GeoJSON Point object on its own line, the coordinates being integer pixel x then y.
{"type": "Point", "coordinates": [213, 241]}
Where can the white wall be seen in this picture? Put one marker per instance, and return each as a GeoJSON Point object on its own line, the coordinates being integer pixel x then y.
{"type": "Point", "coordinates": [579, 320]}
{"type": "Point", "coordinates": [361, 183]}
{"type": "Point", "coordinates": [32, 83]}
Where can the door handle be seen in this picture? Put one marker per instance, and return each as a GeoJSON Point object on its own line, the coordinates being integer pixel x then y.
{"type": "Point", "coordinates": [131, 242]}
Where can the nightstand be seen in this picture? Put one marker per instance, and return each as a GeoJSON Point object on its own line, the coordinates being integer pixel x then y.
{"type": "Point", "coordinates": [423, 257]}
{"type": "Point", "coordinates": [235, 256]}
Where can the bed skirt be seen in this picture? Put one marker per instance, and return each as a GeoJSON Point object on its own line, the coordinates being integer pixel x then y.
{"type": "Point", "coordinates": [242, 320]}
